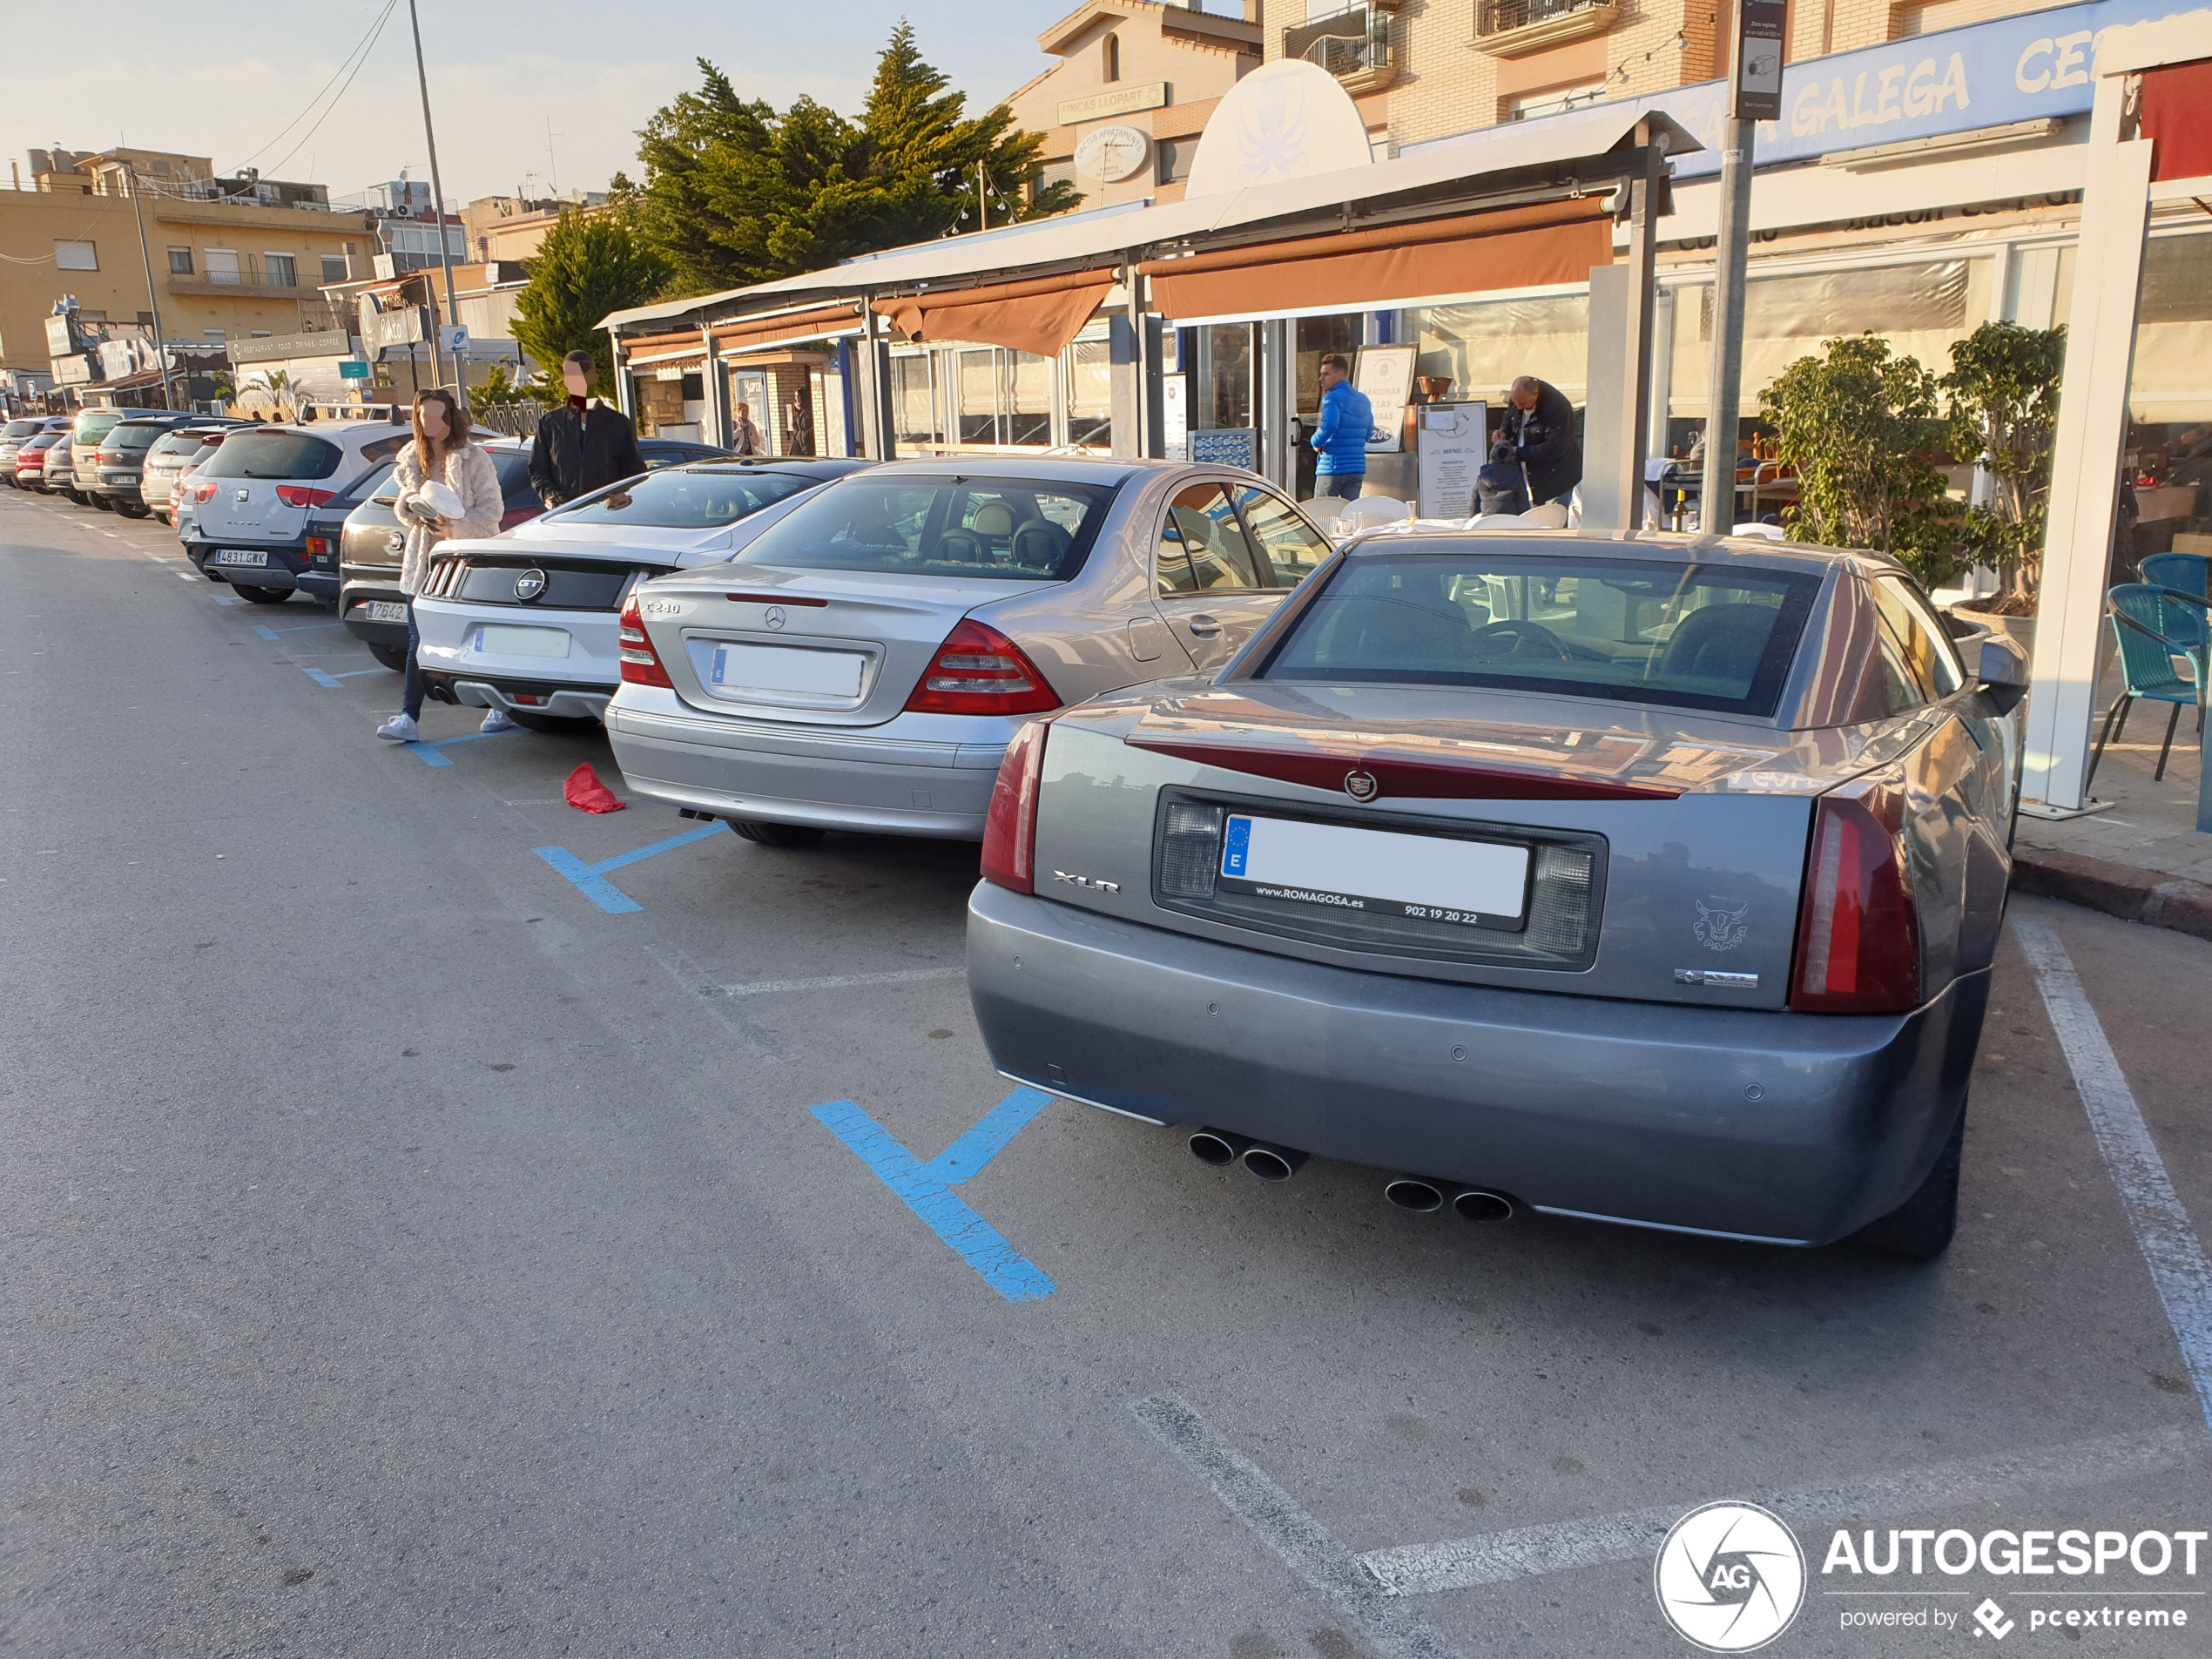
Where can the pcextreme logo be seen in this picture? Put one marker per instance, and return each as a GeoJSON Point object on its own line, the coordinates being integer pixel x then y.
{"type": "Point", "coordinates": [1729, 1577]}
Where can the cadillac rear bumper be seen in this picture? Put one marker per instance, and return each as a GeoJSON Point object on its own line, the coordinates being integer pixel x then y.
{"type": "Point", "coordinates": [1777, 1126]}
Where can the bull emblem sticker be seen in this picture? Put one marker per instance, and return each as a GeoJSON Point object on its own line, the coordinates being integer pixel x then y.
{"type": "Point", "coordinates": [1719, 927]}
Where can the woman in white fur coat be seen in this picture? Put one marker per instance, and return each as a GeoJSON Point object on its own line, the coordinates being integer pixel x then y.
{"type": "Point", "coordinates": [447, 486]}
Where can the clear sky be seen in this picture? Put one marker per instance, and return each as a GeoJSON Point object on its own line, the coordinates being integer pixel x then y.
{"type": "Point", "coordinates": [223, 80]}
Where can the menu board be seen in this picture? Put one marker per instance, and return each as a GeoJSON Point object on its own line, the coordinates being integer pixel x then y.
{"type": "Point", "coordinates": [1385, 374]}
{"type": "Point", "coordinates": [1451, 439]}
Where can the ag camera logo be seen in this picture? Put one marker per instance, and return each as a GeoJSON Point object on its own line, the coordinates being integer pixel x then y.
{"type": "Point", "coordinates": [1729, 1577]}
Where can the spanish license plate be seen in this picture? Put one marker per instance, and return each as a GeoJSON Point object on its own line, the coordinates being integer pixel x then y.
{"type": "Point", "coordinates": [253, 555]}
{"type": "Point", "coordinates": [1423, 877]}
{"type": "Point", "coordinates": [385, 610]}
{"type": "Point", "coordinates": [493, 640]}
{"type": "Point", "coordinates": [784, 668]}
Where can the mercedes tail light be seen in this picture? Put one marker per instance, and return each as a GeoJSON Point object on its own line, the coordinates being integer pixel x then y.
{"type": "Point", "coordinates": [303, 496]}
{"type": "Point", "coordinates": [1859, 937]}
{"type": "Point", "coordinates": [979, 670]}
{"type": "Point", "coordinates": [1010, 827]}
{"type": "Point", "coordinates": [641, 664]}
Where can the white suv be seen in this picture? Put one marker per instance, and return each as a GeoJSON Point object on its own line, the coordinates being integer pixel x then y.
{"type": "Point", "coordinates": [251, 500]}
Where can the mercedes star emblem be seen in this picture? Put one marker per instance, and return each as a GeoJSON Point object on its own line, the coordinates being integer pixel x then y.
{"type": "Point", "coordinates": [1362, 785]}
{"type": "Point", "coordinates": [774, 617]}
{"type": "Point", "coordinates": [528, 585]}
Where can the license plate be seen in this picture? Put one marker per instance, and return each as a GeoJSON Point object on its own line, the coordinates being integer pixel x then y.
{"type": "Point", "coordinates": [385, 610]}
{"type": "Point", "coordinates": [1425, 877]}
{"type": "Point", "coordinates": [494, 640]}
{"type": "Point", "coordinates": [242, 556]}
{"type": "Point", "coordinates": [785, 668]}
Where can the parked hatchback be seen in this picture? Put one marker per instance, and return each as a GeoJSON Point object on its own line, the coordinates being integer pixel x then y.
{"type": "Point", "coordinates": [253, 498]}
{"type": "Point", "coordinates": [28, 469]}
{"type": "Point", "coordinates": [863, 663]}
{"type": "Point", "coordinates": [1640, 878]}
{"type": "Point", "coordinates": [119, 465]}
{"type": "Point", "coordinates": [18, 432]}
{"type": "Point", "coordinates": [85, 437]}
{"type": "Point", "coordinates": [166, 461]}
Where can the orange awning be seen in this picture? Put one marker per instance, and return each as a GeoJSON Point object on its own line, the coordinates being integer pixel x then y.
{"type": "Point", "coordinates": [1042, 316]}
{"type": "Point", "coordinates": [773, 331]}
{"type": "Point", "coordinates": [1509, 247]}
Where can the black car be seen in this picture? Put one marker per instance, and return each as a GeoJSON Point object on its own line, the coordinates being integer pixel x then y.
{"type": "Point", "coordinates": [370, 603]}
{"type": "Point", "coordinates": [119, 466]}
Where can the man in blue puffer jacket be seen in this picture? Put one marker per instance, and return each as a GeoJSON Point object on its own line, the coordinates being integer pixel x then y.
{"type": "Point", "coordinates": [1341, 440]}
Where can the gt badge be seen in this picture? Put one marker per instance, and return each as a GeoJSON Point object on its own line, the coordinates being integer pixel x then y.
{"type": "Point", "coordinates": [1362, 785]}
{"type": "Point", "coordinates": [528, 585]}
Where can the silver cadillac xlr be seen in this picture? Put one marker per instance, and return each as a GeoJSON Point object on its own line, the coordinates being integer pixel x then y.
{"type": "Point", "coordinates": [1637, 878]}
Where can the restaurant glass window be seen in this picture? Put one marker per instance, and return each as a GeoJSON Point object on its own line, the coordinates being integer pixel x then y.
{"type": "Point", "coordinates": [1029, 399]}
{"type": "Point", "coordinates": [1317, 337]}
{"type": "Point", "coordinates": [2168, 456]}
{"type": "Point", "coordinates": [1090, 393]}
{"type": "Point", "coordinates": [977, 382]}
{"type": "Point", "coordinates": [914, 400]}
{"type": "Point", "coordinates": [1221, 407]}
{"type": "Point", "coordinates": [1481, 348]}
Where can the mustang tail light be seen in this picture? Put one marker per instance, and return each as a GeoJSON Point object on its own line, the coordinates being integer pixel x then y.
{"type": "Point", "coordinates": [641, 664]}
{"type": "Point", "coordinates": [514, 515]}
{"type": "Point", "coordinates": [1859, 937]}
{"type": "Point", "coordinates": [302, 495]}
{"type": "Point", "coordinates": [1010, 827]}
{"type": "Point", "coordinates": [979, 670]}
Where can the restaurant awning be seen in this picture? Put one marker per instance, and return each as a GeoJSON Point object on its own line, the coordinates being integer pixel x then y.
{"type": "Point", "coordinates": [821, 322]}
{"type": "Point", "coordinates": [1510, 247]}
{"type": "Point", "coordinates": [1042, 316]}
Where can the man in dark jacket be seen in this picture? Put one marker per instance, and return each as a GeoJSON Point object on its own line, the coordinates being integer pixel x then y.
{"type": "Point", "coordinates": [1540, 425]}
{"type": "Point", "coordinates": [581, 447]}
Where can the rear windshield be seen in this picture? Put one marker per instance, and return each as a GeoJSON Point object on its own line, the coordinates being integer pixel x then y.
{"type": "Point", "coordinates": [90, 428]}
{"type": "Point", "coordinates": [1016, 528]}
{"type": "Point", "coordinates": [176, 443]}
{"type": "Point", "coordinates": [688, 498]}
{"type": "Point", "coordinates": [128, 437]}
{"type": "Point", "coordinates": [273, 454]}
{"type": "Point", "coordinates": [1701, 637]}
{"type": "Point", "coordinates": [18, 428]}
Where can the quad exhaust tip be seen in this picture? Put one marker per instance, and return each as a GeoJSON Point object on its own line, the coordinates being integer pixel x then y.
{"type": "Point", "coordinates": [1425, 1197]}
{"type": "Point", "coordinates": [1220, 1148]}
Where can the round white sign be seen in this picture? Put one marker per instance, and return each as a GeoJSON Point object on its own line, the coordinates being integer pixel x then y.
{"type": "Point", "coordinates": [1729, 1577]}
{"type": "Point", "coordinates": [1111, 154]}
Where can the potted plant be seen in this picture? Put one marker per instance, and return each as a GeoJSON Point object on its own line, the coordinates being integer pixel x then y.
{"type": "Point", "coordinates": [2002, 393]}
{"type": "Point", "coordinates": [1859, 423]}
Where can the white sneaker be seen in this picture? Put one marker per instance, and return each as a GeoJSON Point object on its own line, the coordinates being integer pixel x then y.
{"type": "Point", "coordinates": [497, 721]}
{"type": "Point", "coordinates": [399, 729]}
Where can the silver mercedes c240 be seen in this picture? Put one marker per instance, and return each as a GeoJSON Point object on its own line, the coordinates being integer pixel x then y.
{"type": "Point", "coordinates": [1635, 877]}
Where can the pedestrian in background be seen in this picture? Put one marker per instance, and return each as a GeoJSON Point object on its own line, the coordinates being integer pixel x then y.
{"type": "Point", "coordinates": [798, 424]}
{"type": "Point", "coordinates": [1341, 437]}
{"type": "Point", "coordinates": [582, 446]}
{"type": "Point", "coordinates": [1540, 425]}
{"type": "Point", "coordinates": [444, 487]}
{"type": "Point", "coordinates": [744, 437]}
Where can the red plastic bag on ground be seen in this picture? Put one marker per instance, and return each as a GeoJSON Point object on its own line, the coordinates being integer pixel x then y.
{"type": "Point", "coordinates": [587, 794]}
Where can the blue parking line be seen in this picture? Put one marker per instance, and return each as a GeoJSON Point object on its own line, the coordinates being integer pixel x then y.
{"type": "Point", "coordinates": [592, 878]}
{"type": "Point", "coordinates": [926, 1189]}
{"type": "Point", "coordinates": [426, 753]}
{"type": "Point", "coordinates": [270, 634]}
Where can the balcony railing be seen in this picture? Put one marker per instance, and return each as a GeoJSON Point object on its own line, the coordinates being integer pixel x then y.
{"type": "Point", "coordinates": [247, 271]}
{"type": "Point", "coordinates": [1506, 28]}
{"type": "Point", "coordinates": [1353, 45]}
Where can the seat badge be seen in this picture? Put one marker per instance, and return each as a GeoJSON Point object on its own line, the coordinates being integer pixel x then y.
{"type": "Point", "coordinates": [1361, 785]}
{"type": "Point", "coordinates": [528, 585]}
{"type": "Point", "coordinates": [1087, 881]}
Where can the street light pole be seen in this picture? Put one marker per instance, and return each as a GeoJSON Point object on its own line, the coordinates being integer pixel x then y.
{"type": "Point", "coordinates": [437, 212]}
{"type": "Point", "coordinates": [153, 297]}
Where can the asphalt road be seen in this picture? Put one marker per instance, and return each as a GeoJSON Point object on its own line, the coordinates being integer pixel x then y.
{"type": "Point", "coordinates": [401, 1254]}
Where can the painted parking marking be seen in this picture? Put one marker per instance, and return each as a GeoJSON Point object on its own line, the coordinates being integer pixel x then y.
{"type": "Point", "coordinates": [426, 753]}
{"type": "Point", "coordinates": [833, 981]}
{"type": "Point", "coordinates": [1390, 1626]}
{"type": "Point", "coordinates": [329, 683]}
{"type": "Point", "coordinates": [927, 1188]}
{"type": "Point", "coordinates": [591, 880]}
{"type": "Point", "coordinates": [270, 634]}
{"type": "Point", "coordinates": [1598, 1541]}
{"type": "Point", "coordinates": [2178, 1269]}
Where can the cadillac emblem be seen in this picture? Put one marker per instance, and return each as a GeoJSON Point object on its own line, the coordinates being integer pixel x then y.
{"type": "Point", "coordinates": [529, 585]}
{"type": "Point", "coordinates": [1362, 785]}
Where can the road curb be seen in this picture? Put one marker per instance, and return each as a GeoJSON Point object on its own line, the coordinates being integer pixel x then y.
{"type": "Point", "coordinates": [2117, 889]}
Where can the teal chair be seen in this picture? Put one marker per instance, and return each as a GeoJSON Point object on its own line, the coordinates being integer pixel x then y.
{"type": "Point", "coordinates": [2190, 575]}
{"type": "Point", "coordinates": [2139, 623]}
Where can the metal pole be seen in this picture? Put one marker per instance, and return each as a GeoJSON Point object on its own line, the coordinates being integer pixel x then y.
{"type": "Point", "coordinates": [437, 212]}
{"type": "Point", "coordinates": [160, 351]}
{"type": "Point", "coordinates": [1724, 392]}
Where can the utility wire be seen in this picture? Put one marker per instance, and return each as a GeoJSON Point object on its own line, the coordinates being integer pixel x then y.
{"type": "Point", "coordinates": [362, 48]}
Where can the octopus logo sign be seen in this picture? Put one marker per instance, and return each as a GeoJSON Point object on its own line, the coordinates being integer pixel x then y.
{"type": "Point", "coordinates": [1729, 1577]}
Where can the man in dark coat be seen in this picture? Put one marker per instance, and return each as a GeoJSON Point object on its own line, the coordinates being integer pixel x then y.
{"type": "Point", "coordinates": [581, 446]}
{"type": "Point", "coordinates": [1540, 425]}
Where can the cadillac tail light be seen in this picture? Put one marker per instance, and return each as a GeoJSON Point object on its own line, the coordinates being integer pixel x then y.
{"type": "Point", "coordinates": [641, 664]}
{"type": "Point", "coordinates": [1859, 937]}
{"type": "Point", "coordinates": [1010, 827]}
{"type": "Point", "coordinates": [979, 670]}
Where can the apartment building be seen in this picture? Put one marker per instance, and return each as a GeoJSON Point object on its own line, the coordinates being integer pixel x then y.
{"type": "Point", "coordinates": [502, 228]}
{"type": "Point", "coordinates": [232, 258]}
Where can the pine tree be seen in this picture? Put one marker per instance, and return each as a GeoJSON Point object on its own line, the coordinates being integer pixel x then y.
{"type": "Point", "coordinates": [587, 267]}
